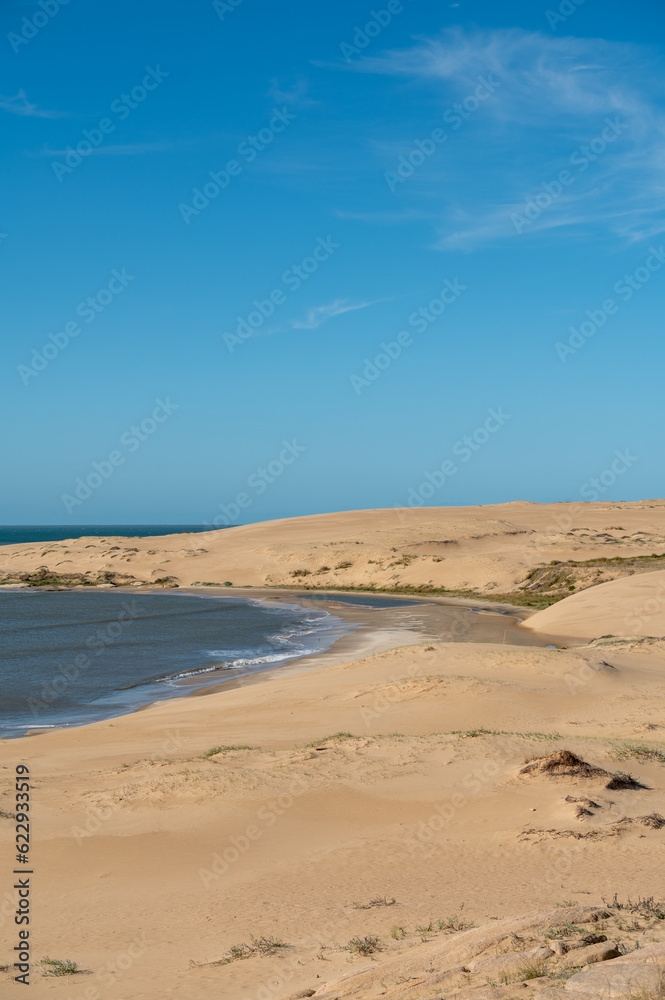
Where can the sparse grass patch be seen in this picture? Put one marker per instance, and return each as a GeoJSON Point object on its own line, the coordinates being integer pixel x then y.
{"type": "Point", "coordinates": [398, 933]}
{"type": "Point", "coordinates": [225, 749]}
{"type": "Point", "coordinates": [628, 927]}
{"type": "Point", "coordinates": [636, 751]}
{"type": "Point", "coordinates": [328, 739]}
{"type": "Point", "coordinates": [267, 945]}
{"type": "Point", "coordinates": [471, 733]}
{"type": "Point", "coordinates": [563, 974]}
{"type": "Point", "coordinates": [235, 953]}
{"type": "Point", "coordinates": [454, 924]}
{"type": "Point", "coordinates": [58, 967]}
{"type": "Point", "coordinates": [567, 902]}
{"type": "Point", "coordinates": [539, 736]}
{"type": "Point", "coordinates": [533, 970]}
{"type": "Point", "coordinates": [344, 565]}
{"type": "Point", "coordinates": [558, 579]}
{"type": "Point", "coordinates": [378, 901]}
{"type": "Point", "coordinates": [518, 599]}
{"type": "Point", "coordinates": [565, 930]}
{"type": "Point", "coordinates": [363, 946]}
{"type": "Point", "coordinates": [647, 907]}
{"type": "Point", "coordinates": [404, 560]}
{"type": "Point", "coordinates": [530, 970]}
{"type": "Point", "coordinates": [257, 946]}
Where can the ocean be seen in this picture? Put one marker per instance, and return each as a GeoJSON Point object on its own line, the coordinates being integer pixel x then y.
{"type": "Point", "coordinates": [13, 534]}
{"type": "Point", "coordinates": [73, 657]}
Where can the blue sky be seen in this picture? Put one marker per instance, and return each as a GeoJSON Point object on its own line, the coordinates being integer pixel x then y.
{"type": "Point", "coordinates": [262, 261]}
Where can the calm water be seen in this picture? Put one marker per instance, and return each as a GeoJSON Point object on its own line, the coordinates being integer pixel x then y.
{"type": "Point", "coordinates": [13, 534]}
{"type": "Point", "coordinates": [70, 657]}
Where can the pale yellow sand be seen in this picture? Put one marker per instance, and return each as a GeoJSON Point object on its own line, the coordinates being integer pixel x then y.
{"type": "Point", "coordinates": [633, 606]}
{"type": "Point", "coordinates": [148, 855]}
{"type": "Point", "coordinates": [484, 549]}
{"type": "Point", "coordinates": [136, 831]}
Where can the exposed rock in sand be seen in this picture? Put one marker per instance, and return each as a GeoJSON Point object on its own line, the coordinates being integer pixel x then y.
{"type": "Point", "coordinates": [492, 961]}
{"type": "Point", "coordinates": [609, 982]}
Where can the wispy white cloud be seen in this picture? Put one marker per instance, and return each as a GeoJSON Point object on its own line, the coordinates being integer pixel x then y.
{"type": "Point", "coordinates": [295, 95]}
{"type": "Point", "coordinates": [320, 314]}
{"type": "Point", "coordinates": [555, 94]}
{"type": "Point", "coordinates": [544, 73]}
{"type": "Point", "coordinates": [19, 104]}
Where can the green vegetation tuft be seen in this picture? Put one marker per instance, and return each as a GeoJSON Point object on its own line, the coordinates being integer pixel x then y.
{"type": "Point", "coordinates": [636, 751]}
{"type": "Point", "coordinates": [58, 967]}
{"type": "Point", "coordinates": [258, 946]}
{"type": "Point", "coordinates": [328, 739]}
{"type": "Point", "coordinates": [363, 946]}
{"type": "Point", "coordinates": [454, 924]}
{"type": "Point", "coordinates": [563, 930]}
{"type": "Point", "coordinates": [472, 733]}
{"type": "Point", "coordinates": [377, 901]}
{"type": "Point", "coordinates": [225, 749]}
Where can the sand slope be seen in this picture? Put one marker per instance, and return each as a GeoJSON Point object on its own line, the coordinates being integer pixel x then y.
{"type": "Point", "coordinates": [396, 775]}
{"type": "Point", "coordinates": [484, 549]}
{"type": "Point", "coordinates": [144, 843]}
{"type": "Point", "coordinates": [634, 606]}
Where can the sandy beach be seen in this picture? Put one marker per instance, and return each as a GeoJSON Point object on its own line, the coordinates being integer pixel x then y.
{"type": "Point", "coordinates": [376, 791]}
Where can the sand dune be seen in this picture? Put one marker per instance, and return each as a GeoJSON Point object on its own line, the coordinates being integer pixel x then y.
{"type": "Point", "coordinates": [634, 606]}
{"type": "Point", "coordinates": [397, 794]}
{"type": "Point", "coordinates": [488, 550]}
{"type": "Point", "coordinates": [298, 826]}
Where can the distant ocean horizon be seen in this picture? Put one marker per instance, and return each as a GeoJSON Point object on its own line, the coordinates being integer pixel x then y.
{"type": "Point", "coordinates": [17, 534]}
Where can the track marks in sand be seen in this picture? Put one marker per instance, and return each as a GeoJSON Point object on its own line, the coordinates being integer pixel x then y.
{"type": "Point", "coordinates": [354, 763]}
{"type": "Point", "coordinates": [429, 685]}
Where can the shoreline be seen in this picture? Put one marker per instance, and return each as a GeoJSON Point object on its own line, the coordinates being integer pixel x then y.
{"type": "Point", "coordinates": [375, 790]}
{"type": "Point", "coordinates": [362, 631]}
{"type": "Point", "coordinates": [441, 596]}
{"type": "Point", "coordinates": [323, 635]}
